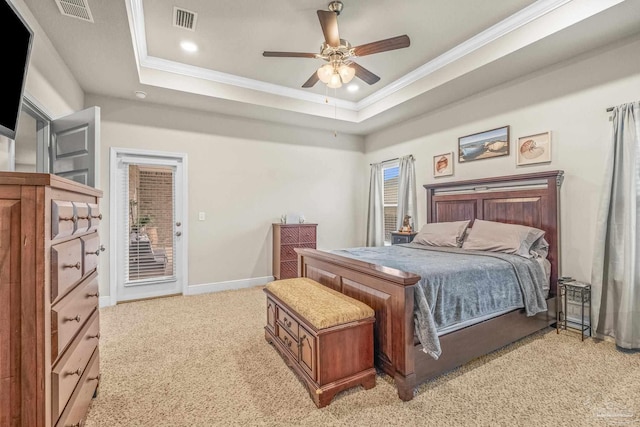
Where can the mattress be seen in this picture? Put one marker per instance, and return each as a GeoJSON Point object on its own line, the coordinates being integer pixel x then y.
{"type": "Point", "coordinates": [459, 288]}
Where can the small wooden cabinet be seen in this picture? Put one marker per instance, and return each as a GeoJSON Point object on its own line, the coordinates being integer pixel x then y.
{"type": "Point", "coordinates": [286, 237]}
{"type": "Point", "coordinates": [398, 237]}
{"type": "Point", "coordinates": [49, 318]}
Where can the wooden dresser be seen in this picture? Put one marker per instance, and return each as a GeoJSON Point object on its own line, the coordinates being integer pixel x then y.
{"type": "Point", "coordinates": [49, 326]}
{"type": "Point", "coordinates": [286, 237]}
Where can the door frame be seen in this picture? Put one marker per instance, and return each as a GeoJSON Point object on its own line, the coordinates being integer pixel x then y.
{"type": "Point", "coordinates": [116, 152]}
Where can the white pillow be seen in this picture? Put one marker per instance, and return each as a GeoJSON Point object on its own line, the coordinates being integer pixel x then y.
{"type": "Point", "coordinates": [448, 234]}
{"type": "Point", "coordinates": [501, 237]}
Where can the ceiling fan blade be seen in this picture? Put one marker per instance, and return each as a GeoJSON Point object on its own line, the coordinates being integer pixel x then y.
{"type": "Point", "coordinates": [382, 45]}
{"type": "Point", "coordinates": [364, 74]}
{"type": "Point", "coordinates": [329, 24]}
{"type": "Point", "coordinates": [289, 54]}
{"type": "Point", "coordinates": [312, 80]}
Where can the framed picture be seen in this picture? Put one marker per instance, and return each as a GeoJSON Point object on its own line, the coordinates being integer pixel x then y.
{"type": "Point", "coordinates": [443, 165]}
{"type": "Point", "coordinates": [534, 149]}
{"type": "Point", "coordinates": [484, 145]}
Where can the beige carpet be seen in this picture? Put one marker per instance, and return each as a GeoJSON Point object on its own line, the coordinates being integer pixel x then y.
{"type": "Point", "coordinates": [203, 361]}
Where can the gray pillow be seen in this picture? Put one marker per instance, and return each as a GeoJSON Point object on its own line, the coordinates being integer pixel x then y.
{"type": "Point", "coordinates": [449, 234]}
{"type": "Point", "coordinates": [501, 237]}
{"type": "Point", "coordinates": [540, 248]}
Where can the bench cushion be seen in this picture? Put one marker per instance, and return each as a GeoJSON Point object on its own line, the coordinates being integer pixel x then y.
{"type": "Point", "coordinates": [322, 307]}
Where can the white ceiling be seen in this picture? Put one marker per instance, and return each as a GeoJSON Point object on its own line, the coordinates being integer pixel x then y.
{"type": "Point", "coordinates": [458, 48]}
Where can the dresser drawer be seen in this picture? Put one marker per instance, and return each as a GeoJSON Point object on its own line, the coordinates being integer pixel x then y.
{"type": "Point", "coordinates": [90, 252]}
{"type": "Point", "coordinates": [287, 253]}
{"type": "Point", "coordinates": [76, 410]}
{"type": "Point", "coordinates": [285, 319]}
{"type": "Point", "coordinates": [82, 217]}
{"type": "Point", "coordinates": [66, 267]}
{"type": "Point", "coordinates": [307, 233]}
{"type": "Point", "coordinates": [289, 235]}
{"type": "Point", "coordinates": [66, 374]}
{"type": "Point", "coordinates": [71, 312]}
{"type": "Point", "coordinates": [63, 219]}
{"type": "Point", "coordinates": [288, 269]}
{"type": "Point", "coordinates": [95, 216]}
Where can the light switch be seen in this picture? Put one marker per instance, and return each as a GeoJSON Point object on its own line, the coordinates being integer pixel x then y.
{"type": "Point", "coordinates": [201, 216]}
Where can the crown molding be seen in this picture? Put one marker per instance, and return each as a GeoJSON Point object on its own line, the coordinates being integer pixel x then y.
{"type": "Point", "coordinates": [501, 29]}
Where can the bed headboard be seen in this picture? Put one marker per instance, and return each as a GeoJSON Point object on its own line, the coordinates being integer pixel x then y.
{"type": "Point", "coordinates": [528, 199]}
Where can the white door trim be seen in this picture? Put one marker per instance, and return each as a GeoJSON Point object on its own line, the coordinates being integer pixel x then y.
{"type": "Point", "coordinates": [113, 238]}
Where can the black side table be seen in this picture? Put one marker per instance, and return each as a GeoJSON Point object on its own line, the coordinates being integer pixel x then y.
{"type": "Point", "coordinates": [399, 237]}
{"type": "Point", "coordinates": [577, 293]}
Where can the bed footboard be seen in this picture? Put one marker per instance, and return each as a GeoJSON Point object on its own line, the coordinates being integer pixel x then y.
{"type": "Point", "coordinates": [389, 292]}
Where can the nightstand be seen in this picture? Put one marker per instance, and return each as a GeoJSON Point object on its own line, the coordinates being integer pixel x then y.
{"type": "Point", "coordinates": [573, 298]}
{"type": "Point", "coordinates": [398, 237]}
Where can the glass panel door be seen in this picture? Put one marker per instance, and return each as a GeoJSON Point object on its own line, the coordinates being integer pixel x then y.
{"type": "Point", "coordinates": [151, 223]}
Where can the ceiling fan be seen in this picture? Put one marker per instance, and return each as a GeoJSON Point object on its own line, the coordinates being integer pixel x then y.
{"type": "Point", "coordinates": [339, 52]}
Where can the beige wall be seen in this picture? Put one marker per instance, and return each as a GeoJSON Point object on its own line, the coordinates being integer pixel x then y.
{"type": "Point", "coordinates": [569, 100]}
{"type": "Point", "coordinates": [243, 174]}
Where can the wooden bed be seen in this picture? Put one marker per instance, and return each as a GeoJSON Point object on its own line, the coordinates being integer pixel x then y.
{"type": "Point", "coordinates": [528, 199]}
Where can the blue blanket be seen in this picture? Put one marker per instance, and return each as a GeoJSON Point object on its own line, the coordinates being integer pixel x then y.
{"type": "Point", "coordinates": [458, 285]}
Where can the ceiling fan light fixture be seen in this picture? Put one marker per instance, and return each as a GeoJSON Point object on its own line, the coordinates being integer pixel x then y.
{"type": "Point", "coordinates": [346, 73]}
{"type": "Point", "coordinates": [335, 82]}
{"type": "Point", "coordinates": [325, 72]}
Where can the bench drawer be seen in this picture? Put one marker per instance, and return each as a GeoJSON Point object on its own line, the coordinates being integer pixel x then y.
{"type": "Point", "coordinates": [287, 322]}
{"type": "Point", "coordinates": [290, 343]}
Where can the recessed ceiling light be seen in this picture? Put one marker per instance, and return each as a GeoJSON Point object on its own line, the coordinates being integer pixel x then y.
{"type": "Point", "coordinates": [352, 88]}
{"type": "Point", "coordinates": [189, 46]}
{"type": "Point", "coordinates": [140, 94]}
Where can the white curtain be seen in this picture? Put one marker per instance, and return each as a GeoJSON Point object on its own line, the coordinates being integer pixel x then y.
{"type": "Point", "coordinates": [407, 191]}
{"type": "Point", "coordinates": [375, 217]}
{"type": "Point", "coordinates": [615, 276]}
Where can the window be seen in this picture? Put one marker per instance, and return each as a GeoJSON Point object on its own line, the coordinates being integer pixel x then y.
{"type": "Point", "coordinates": [390, 174]}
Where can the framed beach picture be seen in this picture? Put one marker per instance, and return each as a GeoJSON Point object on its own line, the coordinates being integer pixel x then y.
{"type": "Point", "coordinates": [443, 165]}
{"type": "Point", "coordinates": [534, 149]}
{"type": "Point", "coordinates": [484, 145]}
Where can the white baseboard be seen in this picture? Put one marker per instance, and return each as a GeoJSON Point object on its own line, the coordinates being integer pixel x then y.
{"type": "Point", "coordinates": [206, 288]}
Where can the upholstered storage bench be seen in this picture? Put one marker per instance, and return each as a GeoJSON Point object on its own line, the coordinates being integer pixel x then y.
{"type": "Point", "coordinates": [324, 336]}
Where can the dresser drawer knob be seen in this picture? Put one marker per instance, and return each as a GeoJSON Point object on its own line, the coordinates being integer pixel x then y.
{"type": "Point", "coordinates": [99, 216]}
{"type": "Point", "coordinates": [96, 336]}
{"type": "Point", "coordinates": [71, 319]}
{"type": "Point", "coordinates": [287, 322]}
{"type": "Point", "coordinates": [83, 217]}
{"type": "Point", "coordinates": [287, 341]}
{"type": "Point", "coordinates": [77, 372]}
{"type": "Point", "coordinates": [68, 218]}
{"type": "Point", "coordinates": [77, 265]}
{"type": "Point", "coordinates": [96, 378]}
{"type": "Point", "coordinates": [94, 294]}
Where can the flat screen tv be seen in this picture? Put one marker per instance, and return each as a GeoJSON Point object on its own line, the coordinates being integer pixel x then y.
{"type": "Point", "coordinates": [15, 38]}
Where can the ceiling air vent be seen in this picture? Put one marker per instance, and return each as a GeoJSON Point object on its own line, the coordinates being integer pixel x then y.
{"type": "Point", "coordinates": [75, 9]}
{"type": "Point", "coordinates": [183, 18]}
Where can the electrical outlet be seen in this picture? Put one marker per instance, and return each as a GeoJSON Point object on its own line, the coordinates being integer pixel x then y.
{"type": "Point", "coordinates": [201, 216]}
